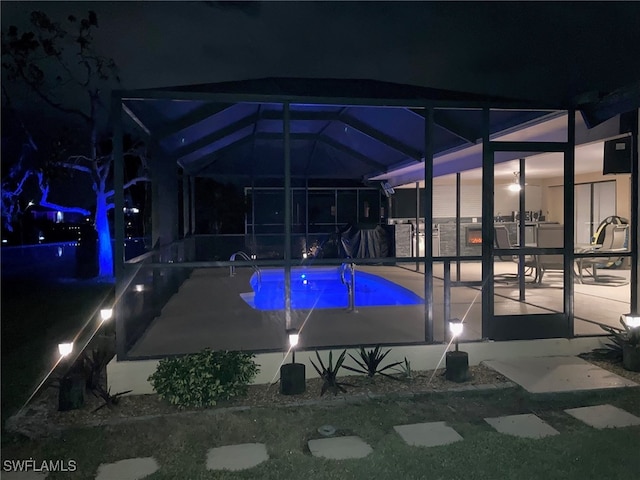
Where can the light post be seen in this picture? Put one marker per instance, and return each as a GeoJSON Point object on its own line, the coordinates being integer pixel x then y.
{"type": "Point", "coordinates": [292, 375]}
{"type": "Point", "coordinates": [631, 344]}
{"type": "Point", "coordinates": [457, 362]}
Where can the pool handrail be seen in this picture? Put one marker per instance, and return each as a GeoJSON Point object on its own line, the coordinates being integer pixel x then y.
{"type": "Point", "coordinates": [351, 288]}
{"type": "Point", "coordinates": [232, 268]}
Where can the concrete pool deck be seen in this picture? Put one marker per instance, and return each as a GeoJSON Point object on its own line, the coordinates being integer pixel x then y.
{"type": "Point", "coordinates": [208, 311]}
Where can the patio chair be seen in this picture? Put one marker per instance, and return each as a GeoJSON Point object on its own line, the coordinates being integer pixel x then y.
{"type": "Point", "coordinates": [550, 235]}
{"type": "Point", "coordinates": [614, 241]}
{"type": "Point", "coordinates": [501, 240]}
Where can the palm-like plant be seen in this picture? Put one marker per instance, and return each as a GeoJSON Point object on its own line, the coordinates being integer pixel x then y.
{"type": "Point", "coordinates": [329, 374]}
{"type": "Point", "coordinates": [370, 362]}
{"type": "Point", "coordinates": [620, 337]}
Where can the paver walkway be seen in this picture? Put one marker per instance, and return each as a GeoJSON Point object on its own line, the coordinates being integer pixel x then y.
{"type": "Point", "coordinates": [23, 476]}
{"type": "Point", "coordinates": [237, 457]}
{"type": "Point", "coordinates": [129, 469]}
{"type": "Point", "coordinates": [339, 448]}
{"type": "Point", "coordinates": [427, 434]}
{"type": "Point", "coordinates": [249, 455]}
{"type": "Point", "coordinates": [431, 434]}
{"type": "Point", "coordinates": [525, 426]}
{"type": "Point", "coordinates": [604, 416]}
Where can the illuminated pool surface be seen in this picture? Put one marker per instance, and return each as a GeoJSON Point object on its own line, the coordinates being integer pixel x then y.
{"type": "Point", "coordinates": [322, 287]}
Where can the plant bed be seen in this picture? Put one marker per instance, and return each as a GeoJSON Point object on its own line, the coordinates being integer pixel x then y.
{"type": "Point", "coordinates": [42, 416]}
{"type": "Point", "coordinates": [611, 364]}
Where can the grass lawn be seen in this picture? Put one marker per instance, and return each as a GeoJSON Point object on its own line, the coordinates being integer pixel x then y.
{"type": "Point", "coordinates": [36, 316]}
{"type": "Point", "coordinates": [180, 443]}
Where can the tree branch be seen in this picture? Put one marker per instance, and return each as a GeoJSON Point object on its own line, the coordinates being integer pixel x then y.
{"type": "Point", "coordinates": [130, 183]}
{"type": "Point", "coordinates": [51, 103]}
{"type": "Point", "coordinates": [44, 201]}
{"type": "Point", "coordinates": [73, 166]}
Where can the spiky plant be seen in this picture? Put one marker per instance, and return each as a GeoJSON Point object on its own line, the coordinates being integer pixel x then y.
{"type": "Point", "coordinates": [329, 374]}
{"type": "Point", "coordinates": [370, 362]}
{"type": "Point", "coordinates": [620, 337]}
{"type": "Point", "coordinates": [405, 371]}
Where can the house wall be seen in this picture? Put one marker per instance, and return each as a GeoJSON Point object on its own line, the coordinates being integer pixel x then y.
{"type": "Point", "coordinates": [133, 375]}
{"type": "Point", "coordinates": [553, 195]}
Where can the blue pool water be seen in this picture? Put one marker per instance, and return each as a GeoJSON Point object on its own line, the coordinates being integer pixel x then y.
{"type": "Point", "coordinates": [322, 287]}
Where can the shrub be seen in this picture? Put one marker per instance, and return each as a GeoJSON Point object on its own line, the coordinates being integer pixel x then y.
{"type": "Point", "coordinates": [204, 378]}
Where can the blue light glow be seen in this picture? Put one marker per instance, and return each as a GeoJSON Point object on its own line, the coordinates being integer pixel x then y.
{"type": "Point", "coordinates": [323, 288]}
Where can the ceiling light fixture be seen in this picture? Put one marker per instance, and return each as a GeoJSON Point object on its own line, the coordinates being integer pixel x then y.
{"type": "Point", "coordinates": [515, 185]}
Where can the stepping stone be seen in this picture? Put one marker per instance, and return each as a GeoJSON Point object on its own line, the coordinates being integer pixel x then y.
{"type": "Point", "coordinates": [604, 416]}
{"type": "Point", "coordinates": [237, 457]}
{"type": "Point", "coordinates": [339, 448]}
{"type": "Point", "coordinates": [23, 475]}
{"type": "Point", "coordinates": [427, 434]}
{"type": "Point", "coordinates": [129, 469]}
{"type": "Point", "coordinates": [525, 426]}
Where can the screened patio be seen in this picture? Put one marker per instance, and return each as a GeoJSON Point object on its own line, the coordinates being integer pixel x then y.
{"type": "Point", "coordinates": [377, 186]}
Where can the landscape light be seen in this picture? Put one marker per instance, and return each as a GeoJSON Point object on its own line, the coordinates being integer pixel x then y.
{"type": "Point", "coordinates": [139, 287]}
{"type": "Point", "coordinates": [631, 320]}
{"type": "Point", "coordinates": [455, 327]}
{"type": "Point", "coordinates": [65, 348]}
{"type": "Point", "coordinates": [106, 314]}
{"type": "Point", "coordinates": [294, 338]}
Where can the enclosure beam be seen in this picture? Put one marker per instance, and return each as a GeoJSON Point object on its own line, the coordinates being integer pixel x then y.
{"type": "Point", "coordinates": [416, 232]}
{"type": "Point", "coordinates": [118, 248]}
{"type": "Point", "coordinates": [487, 224]}
{"type": "Point", "coordinates": [202, 113]}
{"type": "Point", "coordinates": [458, 200]}
{"type": "Point", "coordinates": [521, 228]}
{"type": "Point", "coordinates": [569, 219]}
{"type": "Point", "coordinates": [634, 233]}
{"type": "Point", "coordinates": [164, 203]}
{"type": "Point", "coordinates": [428, 223]}
{"type": "Point", "coordinates": [287, 216]}
{"type": "Point", "coordinates": [215, 136]}
{"type": "Point", "coordinates": [192, 203]}
{"type": "Point", "coordinates": [186, 207]}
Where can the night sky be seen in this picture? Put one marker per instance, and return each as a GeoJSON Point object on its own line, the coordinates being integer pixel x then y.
{"type": "Point", "coordinates": [529, 50]}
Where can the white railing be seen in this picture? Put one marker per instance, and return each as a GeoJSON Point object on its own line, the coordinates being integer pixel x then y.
{"type": "Point", "coordinates": [232, 268]}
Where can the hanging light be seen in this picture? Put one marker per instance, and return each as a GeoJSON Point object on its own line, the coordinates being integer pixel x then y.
{"type": "Point", "coordinates": [515, 185]}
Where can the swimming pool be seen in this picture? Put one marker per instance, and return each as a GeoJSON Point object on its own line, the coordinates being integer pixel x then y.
{"type": "Point", "coordinates": [322, 287]}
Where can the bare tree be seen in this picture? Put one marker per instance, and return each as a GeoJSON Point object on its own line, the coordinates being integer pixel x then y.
{"type": "Point", "coordinates": [58, 65]}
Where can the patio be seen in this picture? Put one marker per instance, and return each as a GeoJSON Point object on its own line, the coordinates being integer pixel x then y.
{"type": "Point", "coordinates": [208, 311]}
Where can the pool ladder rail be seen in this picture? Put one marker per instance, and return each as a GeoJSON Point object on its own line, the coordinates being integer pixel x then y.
{"type": "Point", "coordinates": [350, 284]}
{"type": "Point", "coordinates": [244, 256]}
